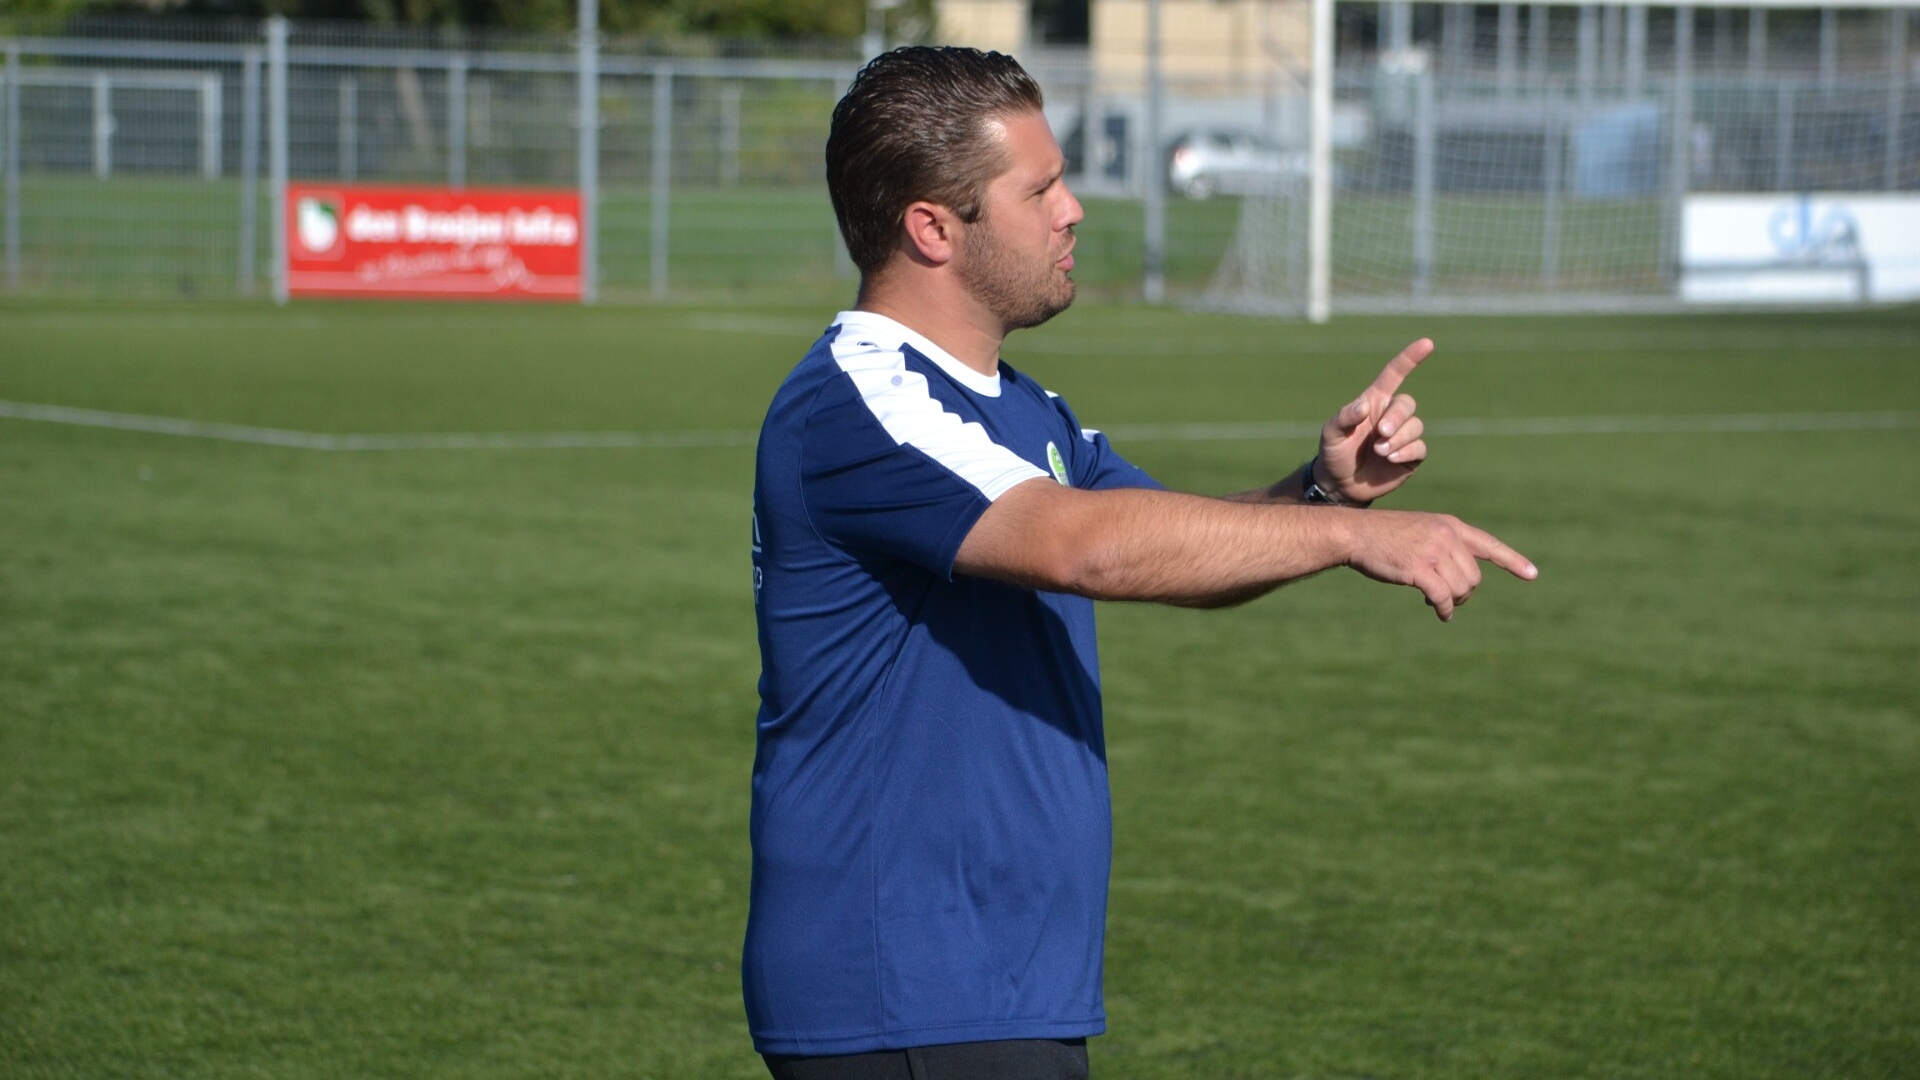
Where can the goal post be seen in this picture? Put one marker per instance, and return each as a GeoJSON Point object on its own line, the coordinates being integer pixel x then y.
{"type": "Point", "coordinates": [1598, 156]}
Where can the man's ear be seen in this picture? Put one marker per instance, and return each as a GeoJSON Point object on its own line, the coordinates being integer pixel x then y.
{"type": "Point", "coordinates": [931, 231]}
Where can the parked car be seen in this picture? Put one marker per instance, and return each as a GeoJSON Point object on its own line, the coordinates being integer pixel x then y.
{"type": "Point", "coordinates": [1205, 163]}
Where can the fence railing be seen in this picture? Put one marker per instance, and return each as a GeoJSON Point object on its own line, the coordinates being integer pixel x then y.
{"type": "Point", "coordinates": [143, 158]}
{"type": "Point", "coordinates": [183, 142]}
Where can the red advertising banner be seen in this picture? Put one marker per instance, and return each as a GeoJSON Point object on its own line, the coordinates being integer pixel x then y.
{"type": "Point", "coordinates": [358, 240]}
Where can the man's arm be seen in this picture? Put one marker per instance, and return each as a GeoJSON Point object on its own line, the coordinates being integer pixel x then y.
{"type": "Point", "coordinates": [1291, 488]}
{"type": "Point", "coordinates": [1130, 544]}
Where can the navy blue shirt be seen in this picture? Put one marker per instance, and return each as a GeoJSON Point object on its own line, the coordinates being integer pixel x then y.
{"type": "Point", "coordinates": [931, 827]}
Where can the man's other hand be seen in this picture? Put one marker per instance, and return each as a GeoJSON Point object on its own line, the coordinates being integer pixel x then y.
{"type": "Point", "coordinates": [1373, 444]}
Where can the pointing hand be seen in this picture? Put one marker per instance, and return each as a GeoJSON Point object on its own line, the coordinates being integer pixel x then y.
{"type": "Point", "coordinates": [1436, 553]}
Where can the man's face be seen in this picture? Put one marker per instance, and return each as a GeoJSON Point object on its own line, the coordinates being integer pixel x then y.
{"type": "Point", "coordinates": [1016, 258]}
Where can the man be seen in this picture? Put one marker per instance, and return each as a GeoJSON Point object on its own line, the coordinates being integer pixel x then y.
{"type": "Point", "coordinates": [930, 824]}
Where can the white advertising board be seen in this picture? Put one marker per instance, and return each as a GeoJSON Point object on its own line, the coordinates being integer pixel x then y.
{"type": "Point", "coordinates": [1800, 248]}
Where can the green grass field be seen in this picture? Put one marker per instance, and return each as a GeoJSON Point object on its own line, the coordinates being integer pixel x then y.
{"type": "Point", "coordinates": [434, 763]}
{"type": "Point", "coordinates": [168, 238]}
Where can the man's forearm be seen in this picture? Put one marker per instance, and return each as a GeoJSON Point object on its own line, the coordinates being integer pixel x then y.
{"type": "Point", "coordinates": [1291, 488]}
{"type": "Point", "coordinates": [1154, 545]}
{"type": "Point", "coordinates": [1199, 552]}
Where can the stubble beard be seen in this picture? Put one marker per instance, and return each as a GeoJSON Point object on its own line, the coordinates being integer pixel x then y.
{"type": "Point", "coordinates": [1020, 293]}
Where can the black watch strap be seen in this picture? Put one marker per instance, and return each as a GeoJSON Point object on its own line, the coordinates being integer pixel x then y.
{"type": "Point", "coordinates": [1314, 494]}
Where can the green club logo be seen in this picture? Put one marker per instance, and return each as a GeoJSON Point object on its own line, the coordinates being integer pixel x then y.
{"type": "Point", "coordinates": [1058, 464]}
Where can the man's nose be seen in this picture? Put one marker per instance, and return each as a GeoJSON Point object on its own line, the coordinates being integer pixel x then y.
{"type": "Point", "coordinates": [1075, 214]}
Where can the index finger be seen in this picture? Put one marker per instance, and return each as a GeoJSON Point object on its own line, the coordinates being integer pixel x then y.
{"type": "Point", "coordinates": [1401, 366]}
{"type": "Point", "coordinates": [1485, 545]}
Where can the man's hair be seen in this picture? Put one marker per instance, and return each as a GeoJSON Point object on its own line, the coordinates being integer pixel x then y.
{"type": "Point", "coordinates": [917, 124]}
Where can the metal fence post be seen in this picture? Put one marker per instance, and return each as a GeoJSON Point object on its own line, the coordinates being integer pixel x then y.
{"type": "Point", "coordinates": [730, 134]}
{"type": "Point", "coordinates": [1610, 35]}
{"type": "Point", "coordinates": [249, 168]}
{"type": "Point", "coordinates": [658, 201]}
{"type": "Point", "coordinates": [1681, 176]}
{"type": "Point", "coordinates": [1587, 63]}
{"type": "Point", "coordinates": [589, 115]}
{"type": "Point", "coordinates": [102, 125]}
{"type": "Point", "coordinates": [1636, 50]}
{"type": "Point", "coordinates": [1783, 138]}
{"type": "Point", "coordinates": [1153, 285]}
{"type": "Point", "coordinates": [1553, 152]}
{"type": "Point", "coordinates": [11, 153]}
{"type": "Point", "coordinates": [348, 134]}
{"type": "Point", "coordinates": [1896, 92]}
{"type": "Point", "coordinates": [1829, 47]}
{"type": "Point", "coordinates": [1423, 147]}
{"type": "Point", "coordinates": [210, 126]}
{"type": "Point", "coordinates": [1507, 48]}
{"type": "Point", "coordinates": [1538, 44]}
{"type": "Point", "coordinates": [457, 122]}
{"type": "Point", "coordinates": [277, 149]}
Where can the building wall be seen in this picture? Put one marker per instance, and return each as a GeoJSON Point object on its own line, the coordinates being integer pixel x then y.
{"type": "Point", "coordinates": [1209, 47]}
{"type": "Point", "coordinates": [998, 25]}
{"type": "Point", "coordinates": [1206, 46]}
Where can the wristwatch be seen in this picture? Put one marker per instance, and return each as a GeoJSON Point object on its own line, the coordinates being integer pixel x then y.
{"type": "Point", "coordinates": [1314, 494]}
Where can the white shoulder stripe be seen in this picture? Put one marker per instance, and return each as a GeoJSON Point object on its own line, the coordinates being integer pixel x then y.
{"type": "Point", "coordinates": [908, 411]}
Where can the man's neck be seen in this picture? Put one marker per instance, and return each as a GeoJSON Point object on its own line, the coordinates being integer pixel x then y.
{"type": "Point", "coordinates": [956, 324]}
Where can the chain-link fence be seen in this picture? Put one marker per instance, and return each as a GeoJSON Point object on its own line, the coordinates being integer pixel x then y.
{"type": "Point", "coordinates": [140, 153]}
{"type": "Point", "coordinates": [137, 154]}
{"type": "Point", "coordinates": [1467, 140]}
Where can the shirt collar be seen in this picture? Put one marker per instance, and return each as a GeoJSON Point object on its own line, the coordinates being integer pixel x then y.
{"type": "Point", "coordinates": [881, 330]}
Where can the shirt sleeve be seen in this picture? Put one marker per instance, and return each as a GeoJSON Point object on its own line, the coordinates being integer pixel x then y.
{"type": "Point", "coordinates": [1096, 464]}
{"type": "Point", "coordinates": [888, 469]}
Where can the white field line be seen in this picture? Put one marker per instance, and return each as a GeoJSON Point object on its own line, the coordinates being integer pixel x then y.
{"type": "Point", "coordinates": [720, 322]}
{"type": "Point", "coordinates": [1099, 340]}
{"type": "Point", "coordinates": [1283, 350]}
{"type": "Point", "coordinates": [158, 320]}
{"type": "Point", "coordinates": [1543, 425]}
{"type": "Point", "coordinates": [1196, 432]}
{"type": "Point", "coordinates": [310, 440]}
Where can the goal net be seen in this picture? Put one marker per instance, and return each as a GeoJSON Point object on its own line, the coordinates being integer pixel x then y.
{"type": "Point", "coordinates": [1614, 156]}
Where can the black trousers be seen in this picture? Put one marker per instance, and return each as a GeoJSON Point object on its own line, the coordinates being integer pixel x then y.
{"type": "Point", "coordinates": [1013, 1059]}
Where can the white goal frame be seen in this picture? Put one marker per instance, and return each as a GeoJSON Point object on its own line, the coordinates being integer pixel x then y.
{"type": "Point", "coordinates": [1319, 299]}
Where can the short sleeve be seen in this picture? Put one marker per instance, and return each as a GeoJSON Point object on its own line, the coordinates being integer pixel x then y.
{"type": "Point", "coordinates": [1096, 464]}
{"type": "Point", "coordinates": [886, 468]}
